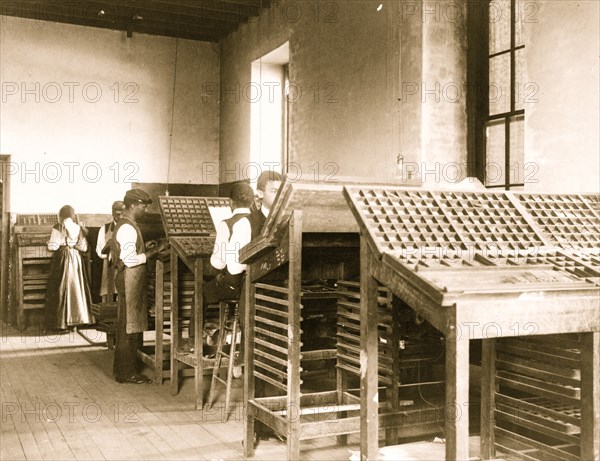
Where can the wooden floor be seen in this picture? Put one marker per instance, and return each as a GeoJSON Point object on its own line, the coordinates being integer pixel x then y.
{"type": "Point", "coordinates": [59, 402]}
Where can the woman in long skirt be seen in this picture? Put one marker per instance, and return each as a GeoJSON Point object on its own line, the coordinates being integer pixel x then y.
{"type": "Point", "coordinates": [68, 297]}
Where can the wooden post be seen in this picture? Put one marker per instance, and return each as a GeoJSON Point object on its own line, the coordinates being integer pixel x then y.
{"type": "Point", "coordinates": [488, 398]}
{"type": "Point", "coordinates": [159, 309]}
{"type": "Point", "coordinates": [457, 393]}
{"type": "Point", "coordinates": [199, 329]}
{"type": "Point", "coordinates": [174, 322]}
{"type": "Point", "coordinates": [590, 396]}
{"type": "Point", "coordinates": [392, 397]}
{"type": "Point", "coordinates": [369, 394]}
{"type": "Point", "coordinates": [19, 287]}
{"type": "Point", "coordinates": [294, 342]}
{"type": "Point", "coordinates": [249, 325]}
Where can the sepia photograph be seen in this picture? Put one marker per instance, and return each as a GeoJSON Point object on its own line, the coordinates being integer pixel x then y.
{"type": "Point", "coordinates": [300, 230]}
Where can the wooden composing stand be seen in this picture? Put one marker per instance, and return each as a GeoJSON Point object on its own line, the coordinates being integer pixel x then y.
{"type": "Point", "coordinates": [31, 263]}
{"type": "Point", "coordinates": [309, 235]}
{"type": "Point", "coordinates": [191, 233]}
{"type": "Point", "coordinates": [487, 265]}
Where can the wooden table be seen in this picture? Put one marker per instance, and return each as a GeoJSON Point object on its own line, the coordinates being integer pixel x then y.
{"type": "Point", "coordinates": [481, 265]}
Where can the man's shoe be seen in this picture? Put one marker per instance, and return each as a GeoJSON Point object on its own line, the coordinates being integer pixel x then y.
{"type": "Point", "coordinates": [280, 438]}
{"type": "Point", "coordinates": [186, 347]}
{"type": "Point", "coordinates": [135, 379]}
{"type": "Point", "coordinates": [266, 433]}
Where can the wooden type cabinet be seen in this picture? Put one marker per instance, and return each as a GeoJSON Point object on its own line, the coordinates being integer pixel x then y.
{"type": "Point", "coordinates": [31, 271]}
{"type": "Point", "coordinates": [309, 235]}
{"type": "Point", "coordinates": [490, 265]}
{"type": "Point", "coordinates": [31, 265]}
{"type": "Point", "coordinates": [274, 352]}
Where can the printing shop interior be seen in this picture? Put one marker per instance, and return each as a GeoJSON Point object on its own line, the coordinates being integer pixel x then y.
{"type": "Point", "coordinates": [300, 229]}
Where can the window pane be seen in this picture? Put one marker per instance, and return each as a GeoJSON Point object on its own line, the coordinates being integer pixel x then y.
{"type": "Point", "coordinates": [520, 83]}
{"type": "Point", "coordinates": [517, 149]}
{"type": "Point", "coordinates": [494, 168]}
{"type": "Point", "coordinates": [499, 19]}
{"type": "Point", "coordinates": [499, 96]}
{"type": "Point", "coordinates": [522, 11]}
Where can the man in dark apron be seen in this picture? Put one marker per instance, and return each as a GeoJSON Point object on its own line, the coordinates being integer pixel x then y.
{"type": "Point", "coordinates": [130, 254]}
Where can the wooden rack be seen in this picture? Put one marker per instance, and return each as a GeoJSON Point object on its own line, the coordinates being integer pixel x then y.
{"type": "Point", "coordinates": [486, 265]}
{"type": "Point", "coordinates": [413, 369]}
{"type": "Point", "coordinates": [537, 397]}
{"type": "Point", "coordinates": [31, 264]}
{"type": "Point", "coordinates": [191, 232]}
{"type": "Point", "coordinates": [158, 355]}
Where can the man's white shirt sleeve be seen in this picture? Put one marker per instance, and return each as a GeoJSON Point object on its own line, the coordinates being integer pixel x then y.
{"type": "Point", "coordinates": [127, 238]}
{"type": "Point", "coordinates": [101, 242]}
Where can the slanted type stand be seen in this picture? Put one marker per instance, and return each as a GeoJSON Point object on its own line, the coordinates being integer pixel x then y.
{"type": "Point", "coordinates": [310, 235]}
{"type": "Point", "coordinates": [191, 232]}
{"type": "Point", "coordinates": [486, 265]}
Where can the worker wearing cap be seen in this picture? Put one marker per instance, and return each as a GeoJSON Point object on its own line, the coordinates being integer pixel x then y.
{"type": "Point", "coordinates": [130, 254]}
{"type": "Point", "coordinates": [104, 235]}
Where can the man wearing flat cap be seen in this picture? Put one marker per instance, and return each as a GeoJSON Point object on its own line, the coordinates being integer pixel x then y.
{"type": "Point", "coordinates": [130, 255]}
{"type": "Point", "coordinates": [102, 249]}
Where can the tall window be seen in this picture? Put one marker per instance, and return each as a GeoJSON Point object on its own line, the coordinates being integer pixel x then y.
{"type": "Point", "coordinates": [506, 115]}
{"type": "Point", "coordinates": [498, 116]}
{"type": "Point", "coordinates": [269, 111]}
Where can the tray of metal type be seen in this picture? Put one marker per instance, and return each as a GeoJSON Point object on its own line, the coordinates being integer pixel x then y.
{"type": "Point", "coordinates": [403, 222]}
{"type": "Point", "coordinates": [503, 279]}
{"type": "Point", "coordinates": [593, 200]}
{"type": "Point", "coordinates": [589, 258]}
{"type": "Point", "coordinates": [191, 215]}
{"type": "Point", "coordinates": [194, 246]}
{"type": "Point", "coordinates": [32, 239]}
{"type": "Point", "coordinates": [584, 265]}
{"type": "Point", "coordinates": [36, 219]}
{"type": "Point", "coordinates": [569, 220]}
{"type": "Point", "coordinates": [412, 223]}
{"type": "Point", "coordinates": [489, 220]}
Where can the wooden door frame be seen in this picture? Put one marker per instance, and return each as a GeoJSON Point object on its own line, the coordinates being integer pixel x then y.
{"type": "Point", "coordinates": [4, 243]}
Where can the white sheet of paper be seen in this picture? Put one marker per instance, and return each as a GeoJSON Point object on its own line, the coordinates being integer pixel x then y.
{"type": "Point", "coordinates": [219, 213]}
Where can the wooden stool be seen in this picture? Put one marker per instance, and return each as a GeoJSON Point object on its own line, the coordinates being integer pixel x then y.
{"type": "Point", "coordinates": [225, 313]}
